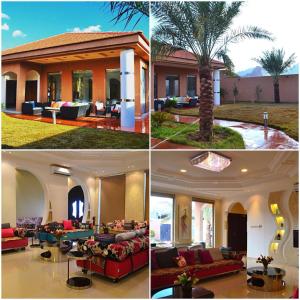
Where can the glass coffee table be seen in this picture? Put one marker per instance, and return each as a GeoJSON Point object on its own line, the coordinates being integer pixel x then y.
{"type": "Point", "coordinates": [270, 280]}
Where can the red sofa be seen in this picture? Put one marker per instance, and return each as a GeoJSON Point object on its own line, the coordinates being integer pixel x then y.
{"type": "Point", "coordinates": [162, 277]}
{"type": "Point", "coordinates": [10, 241]}
{"type": "Point", "coordinates": [116, 260]}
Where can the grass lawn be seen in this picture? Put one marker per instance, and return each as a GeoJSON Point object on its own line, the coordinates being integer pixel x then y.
{"type": "Point", "coordinates": [224, 138]}
{"type": "Point", "coordinates": [26, 134]}
{"type": "Point", "coordinates": [281, 116]}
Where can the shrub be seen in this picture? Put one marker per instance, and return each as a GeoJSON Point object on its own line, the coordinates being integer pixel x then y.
{"type": "Point", "coordinates": [158, 118]}
{"type": "Point", "coordinates": [170, 103]}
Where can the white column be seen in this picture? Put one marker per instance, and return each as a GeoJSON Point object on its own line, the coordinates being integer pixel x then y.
{"type": "Point", "coordinates": [216, 79]}
{"type": "Point", "coordinates": [3, 92]}
{"type": "Point", "coordinates": [127, 88]}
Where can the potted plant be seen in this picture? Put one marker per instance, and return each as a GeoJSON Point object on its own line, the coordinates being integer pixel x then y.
{"type": "Point", "coordinates": [186, 281]}
{"type": "Point", "coordinates": [265, 260]}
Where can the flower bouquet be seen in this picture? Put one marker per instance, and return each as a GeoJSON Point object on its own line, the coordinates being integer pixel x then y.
{"type": "Point", "coordinates": [265, 260]}
{"type": "Point", "coordinates": [186, 281]}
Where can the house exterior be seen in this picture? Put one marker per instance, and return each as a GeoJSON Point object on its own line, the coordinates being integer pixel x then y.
{"type": "Point", "coordinates": [177, 75]}
{"type": "Point", "coordinates": [78, 66]}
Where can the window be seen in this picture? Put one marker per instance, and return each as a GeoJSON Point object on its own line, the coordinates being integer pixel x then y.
{"type": "Point", "coordinates": [203, 222]}
{"type": "Point", "coordinates": [82, 85]}
{"type": "Point", "coordinates": [172, 86]}
{"type": "Point", "coordinates": [161, 218]}
{"type": "Point", "coordinates": [113, 86]}
{"type": "Point", "coordinates": [191, 86]}
{"type": "Point", "coordinates": [54, 86]}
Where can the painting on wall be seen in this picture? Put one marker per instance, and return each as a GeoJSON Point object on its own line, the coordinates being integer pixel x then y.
{"type": "Point", "coordinates": [184, 221]}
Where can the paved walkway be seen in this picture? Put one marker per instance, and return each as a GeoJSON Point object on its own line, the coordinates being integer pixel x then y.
{"type": "Point", "coordinates": [255, 136]}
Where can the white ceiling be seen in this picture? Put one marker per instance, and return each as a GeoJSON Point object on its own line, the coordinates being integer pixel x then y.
{"type": "Point", "coordinates": [95, 163]}
{"type": "Point", "coordinates": [263, 166]}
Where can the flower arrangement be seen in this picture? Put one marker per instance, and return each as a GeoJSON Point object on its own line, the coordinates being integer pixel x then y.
{"type": "Point", "coordinates": [186, 279]}
{"type": "Point", "coordinates": [265, 260]}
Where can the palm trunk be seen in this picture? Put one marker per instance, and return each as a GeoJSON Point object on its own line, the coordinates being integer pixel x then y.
{"type": "Point", "coordinates": [276, 92]}
{"type": "Point", "coordinates": [206, 104]}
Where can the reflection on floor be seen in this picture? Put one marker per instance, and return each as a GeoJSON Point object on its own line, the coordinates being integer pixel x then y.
{"type": "Point", "coordinates": [141, 125]}
{"type": "Point", "coordinates": [25, 275]}
{"type": "Point", "coordinates": [235, 285]}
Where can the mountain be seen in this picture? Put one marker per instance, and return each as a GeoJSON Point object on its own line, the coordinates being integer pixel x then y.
{"type": "Point", "coordinates": [259, 71]}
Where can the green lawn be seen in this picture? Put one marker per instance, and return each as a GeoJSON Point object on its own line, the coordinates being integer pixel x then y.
{"type": "Point", "coordinates": [281, 116]}
{"type": "Point", "coordinates": [224, 138]}
{"type": "Point", "coordinates": [24, 134]}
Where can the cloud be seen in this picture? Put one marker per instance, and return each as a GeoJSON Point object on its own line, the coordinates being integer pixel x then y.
{"type": "Point", "coordinates": [18, 33]}
{"type": "Point", "coordinates": [92, 28]}
{"type": "Point", "coordinates": [4, 26]}
{"type": "Point", "coordinates": [5, 16]}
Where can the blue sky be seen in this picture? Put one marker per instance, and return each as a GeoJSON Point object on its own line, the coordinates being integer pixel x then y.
{"type": "Point", "coordinates": [24, 22]}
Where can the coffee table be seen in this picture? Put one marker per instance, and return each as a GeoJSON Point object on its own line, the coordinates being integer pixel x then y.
{"type": "Point", "coordinates": [54, 111]}
{"type": "Point", "coordinates": [267, 281]}
{"type": "Point", "coordinates": [175, 292]}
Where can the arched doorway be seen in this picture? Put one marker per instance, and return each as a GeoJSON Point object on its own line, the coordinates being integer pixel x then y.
{"type": "Point", "coordinates": [32, 87]}
{"type": "Point", "coordinates": [76, 203]}
{"type": "Point", "coordinates": [9, 90]}
{"type": "Point", "coordinates": [237, 227]}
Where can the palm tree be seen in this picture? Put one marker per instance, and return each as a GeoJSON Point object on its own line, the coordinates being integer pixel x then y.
{"type": "Point", "coordinates": [128, 10]}
{"type": "Point", "coordinates": [203, 28]}
{"type": "Point", "coordinates": [273, 62]}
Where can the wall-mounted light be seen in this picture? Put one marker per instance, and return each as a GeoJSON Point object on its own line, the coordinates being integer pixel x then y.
{"type": "Point", "coordinates": [60, 170]}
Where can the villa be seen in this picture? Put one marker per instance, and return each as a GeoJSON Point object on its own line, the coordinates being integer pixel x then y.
{"type": "Point", "coordinates": [217, 215]}
{"type": "Point", "coordinates": [74, 220]}
{"type": "Point", "coordinates": [89, 68]}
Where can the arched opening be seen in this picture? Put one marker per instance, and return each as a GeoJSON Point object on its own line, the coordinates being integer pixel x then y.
{"type": "Point", "coordinates": [76, 203]}
{"type": "Point", "coordinates": [9, 90]}
{"type": "Point", "coordinates": [237, 227]}
{"type": "Point", "coordinates": [30, 199]}
{"type": "Point", "coordinates": [32, 87]}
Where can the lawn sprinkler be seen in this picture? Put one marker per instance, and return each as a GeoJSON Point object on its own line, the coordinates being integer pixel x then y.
{"type": "Point", "coordinates": [266, 116]}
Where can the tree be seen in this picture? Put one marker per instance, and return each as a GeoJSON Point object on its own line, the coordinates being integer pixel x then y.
{"type": "Point", "coordinates": [235, 92]}
{"type": "Point", "coordinates": [273, 62]}
{"type": "Point", "coordinates": [128, 10]}
{"type": "Point", "coordinates": [203, 28]}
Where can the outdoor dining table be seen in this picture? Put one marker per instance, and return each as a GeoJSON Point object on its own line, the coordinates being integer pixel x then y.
{"type": "Point", "coordinates": [54, 111]}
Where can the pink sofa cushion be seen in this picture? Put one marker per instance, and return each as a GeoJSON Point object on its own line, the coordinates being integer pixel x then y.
{"type": "Point", "coordinates": [205, 257]}
{"type": "Point", "coordinates": [68, 225]}
{"type": "Point", "coordinates": [189, 257]}
{"type": "Point", "coordinates": [7, 232]}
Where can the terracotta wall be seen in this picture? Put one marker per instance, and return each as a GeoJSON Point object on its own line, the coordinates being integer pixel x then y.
{"type": "Point", "coordinates": [112, 199]}
{"type": "Point", "coordinates": [289, 88]}
{"type": "Point", "coordinates": [162, 72]}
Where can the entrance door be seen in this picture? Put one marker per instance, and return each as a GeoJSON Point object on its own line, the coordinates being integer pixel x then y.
{"type": "Point", "coordinates": [31, 90]}
{"type": "Point", "coordinates": [11, 93]}
{"type": "Point", "coordinates": [143, 91]}
{"type": "Point", "coordinates": [237, 231]}
{"type": "Point", "coordinates": [113, 86]}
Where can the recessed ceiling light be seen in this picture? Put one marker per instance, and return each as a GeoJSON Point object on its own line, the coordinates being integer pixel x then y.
{"type": "Point", "coordinates": [244, 170]}
{"type": "Point", "coordinates": [183, 171]}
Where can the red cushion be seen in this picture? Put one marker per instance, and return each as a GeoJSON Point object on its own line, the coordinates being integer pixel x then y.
{"type": "Point", "coordinates": [7, 232]}
{"type": "Point", "coordinates": [67, 224]}
{"type": "Point", "coordinates": [296, 294]}
{"type": "Point", "coordinates": [189, 257]}
{"type": "Point", "coordinates": [205, 257]}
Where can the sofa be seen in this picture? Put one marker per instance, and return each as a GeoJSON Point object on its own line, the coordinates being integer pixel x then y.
{"type": "Point", "coordinates": [202, 263]}
{"type": "Point", "coordinates": [129, 253]}
{"type": "Point", "coordinates": [13, 238]}
{"type": "Point", "coordinates": [31, 108]}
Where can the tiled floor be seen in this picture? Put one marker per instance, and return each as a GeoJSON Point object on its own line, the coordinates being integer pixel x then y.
{"type": "Point", "coordinates": [141, 125]}
{"type": "Point", "coordinates": [25, 275]}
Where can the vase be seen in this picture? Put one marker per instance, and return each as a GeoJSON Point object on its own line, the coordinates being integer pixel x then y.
{"type": "Point", "coordinates": [265, 268]}
{"type": "Point", "coordinates": [186, 291]}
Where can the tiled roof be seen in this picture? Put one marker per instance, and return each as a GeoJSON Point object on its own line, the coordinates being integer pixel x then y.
{"type": "Point", "coordinates": [65, 39]}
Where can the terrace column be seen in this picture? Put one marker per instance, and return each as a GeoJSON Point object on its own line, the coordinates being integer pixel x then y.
{"type": "Point", "coordinates": [216, 79]}
{"type": "Point", "coordinates": [21, 85]}
{"type": "Point", "coordinates": [127, 88]}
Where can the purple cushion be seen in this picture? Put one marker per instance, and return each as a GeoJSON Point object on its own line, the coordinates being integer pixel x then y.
{"type": "Point", "coordinates": [154, 263]}
{"type": "Point", "coordinates": [189, 256]}
{"type": "Point", "coordinates": [205, 257]}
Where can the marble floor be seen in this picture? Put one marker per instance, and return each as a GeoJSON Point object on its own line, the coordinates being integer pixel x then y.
{"type": "Point", "coordinates": [25, 275]}
{"type": "Point", "coordinates": [235, 285]}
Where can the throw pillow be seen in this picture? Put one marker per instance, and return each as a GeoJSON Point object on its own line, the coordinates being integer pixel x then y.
{"type": "Point", "coordinates": [125, 236]}
{"type": "Point", "coordinates": [205, 257]}
{"type": "Point", "coordinates": [165, 258]}
{"type": "Point", "coordinates": [7, 232]}
{"type": "Point", "coordinates": [154, 264]}
{"type": "Point", "coordinates": [215, 253]}
{"type": "Point", "coordinates": [5, 225]}
{"type": "Point", "coordinates": [189, 257]}
{"type": "Point", "coordinates": [67, 224]}
{"type": "Point", "coordinates": [180, 261]}
{"type": "Point", "coordinates": [99, 105]}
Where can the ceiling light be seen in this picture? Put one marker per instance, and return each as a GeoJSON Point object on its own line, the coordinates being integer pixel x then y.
{"type": "Point", "coordinates": [60, 170]}
{"type": "Point", "coordinates": [211, 161]}
{"type": "Point", "coordinates": [183, 171]}
{"type": "Point", "coordinates": [244, 170]}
